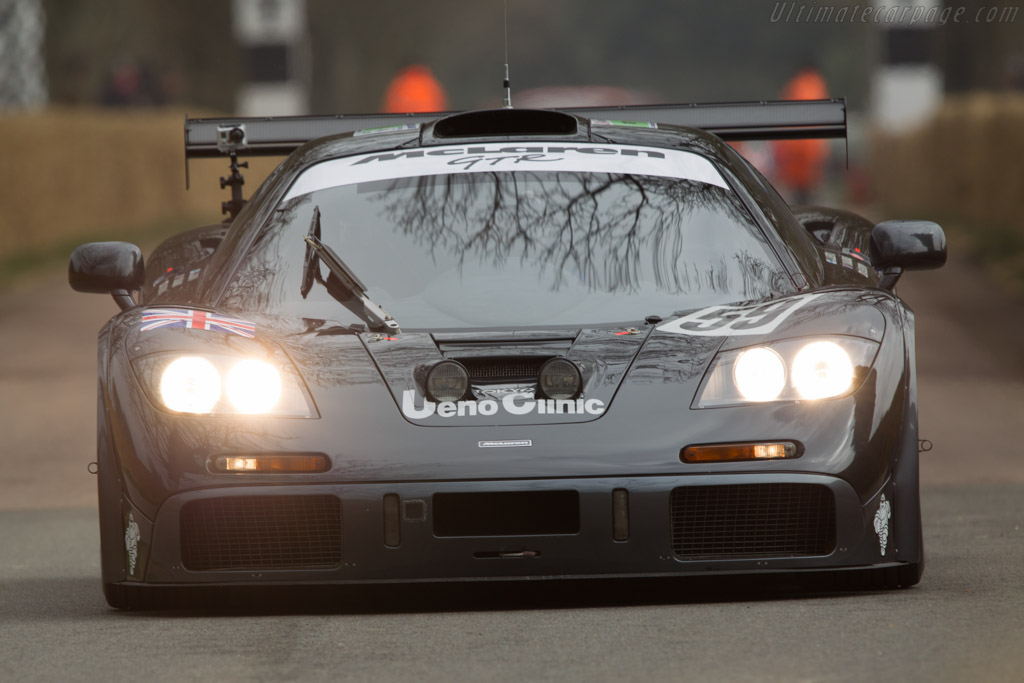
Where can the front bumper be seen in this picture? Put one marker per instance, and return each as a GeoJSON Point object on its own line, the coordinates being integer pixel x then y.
{"type": "Point", "coordinates": [391, 532]}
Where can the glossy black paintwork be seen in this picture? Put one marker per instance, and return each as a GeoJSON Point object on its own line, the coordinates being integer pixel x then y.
{"type": "Point", "coordinates": [102, 267]}
{"type": "Point", "coordinates": [843, 241]}
{"type": "Point", "coordinates": [181, 256]}
{"type": "Point", "coordinates": [911, 245]}
{"type": "Point", "coordinates": [647, 381]}
{"type": "Point", "coordinates": [861, 445]}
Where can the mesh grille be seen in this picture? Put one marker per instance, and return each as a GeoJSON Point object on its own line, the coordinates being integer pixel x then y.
{"type": "Point", "coordinates": [753, 520]}
{"type": "Point", "coordinates": [503, 369]}
{"type": "Point", "coordinates": [261, 532]}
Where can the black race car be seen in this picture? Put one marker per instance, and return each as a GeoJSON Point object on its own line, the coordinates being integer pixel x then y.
{"type": "Point", "coordinates": [509, 344]}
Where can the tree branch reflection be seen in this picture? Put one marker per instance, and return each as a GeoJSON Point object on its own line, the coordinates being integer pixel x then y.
{"type": "Point", "coordinates": [610, 232]}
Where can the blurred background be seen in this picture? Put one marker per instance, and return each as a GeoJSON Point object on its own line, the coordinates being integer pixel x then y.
{"type": "Point", "coordinates": [92, 95]}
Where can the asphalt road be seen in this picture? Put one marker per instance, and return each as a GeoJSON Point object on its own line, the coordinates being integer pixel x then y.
{"type": "Point", "coordinates": [965, 621]}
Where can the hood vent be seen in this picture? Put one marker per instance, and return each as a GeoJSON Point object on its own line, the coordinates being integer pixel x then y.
{"type": "Point", "coordinates": [484, 370]}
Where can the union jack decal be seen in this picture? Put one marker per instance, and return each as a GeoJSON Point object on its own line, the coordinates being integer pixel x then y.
{"type": "Point", "coordinates": [195, 320]}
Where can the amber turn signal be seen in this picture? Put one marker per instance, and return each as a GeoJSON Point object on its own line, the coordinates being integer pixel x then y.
{"type": "Point", "coordinates": [272, 464]}
{"type": "Point", "coordinates": [732, 452]}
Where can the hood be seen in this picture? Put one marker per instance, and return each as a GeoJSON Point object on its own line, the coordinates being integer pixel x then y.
{"type": "Point", "coordinates": [503, 372]}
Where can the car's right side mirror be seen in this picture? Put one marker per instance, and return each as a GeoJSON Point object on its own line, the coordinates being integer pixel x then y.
{"type": "Point", "coordinates": [906, 245]}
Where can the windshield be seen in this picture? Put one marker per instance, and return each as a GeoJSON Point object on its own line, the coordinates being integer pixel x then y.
{"type": "Point", "coordinates": [489, 246]}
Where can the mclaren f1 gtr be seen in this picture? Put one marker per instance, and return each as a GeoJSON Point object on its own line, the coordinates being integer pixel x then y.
{"type": "Point", "coordinates": [509, 344]}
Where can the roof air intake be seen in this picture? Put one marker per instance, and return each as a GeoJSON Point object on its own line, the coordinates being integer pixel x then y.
{"type": "Point", "coordinates": [500, 122]}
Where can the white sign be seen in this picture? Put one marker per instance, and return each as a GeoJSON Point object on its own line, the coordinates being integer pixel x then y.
{"type": "Point", "coordinates": [268, 21]}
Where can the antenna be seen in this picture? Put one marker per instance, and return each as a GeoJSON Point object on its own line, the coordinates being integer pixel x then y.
{"type": "Point", "coordinates": [506, 84]}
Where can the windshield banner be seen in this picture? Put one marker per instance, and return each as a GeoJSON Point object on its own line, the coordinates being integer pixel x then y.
{"type": "Point", "coordinates": [503, 156]}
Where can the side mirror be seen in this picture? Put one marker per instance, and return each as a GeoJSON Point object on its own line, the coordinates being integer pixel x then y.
{"type": "Point", "coordinates": [116, 268]}
{"type": "Point", "coordinates": [911, 245]}
{"type": "Point", "coordinates": [906, 245]}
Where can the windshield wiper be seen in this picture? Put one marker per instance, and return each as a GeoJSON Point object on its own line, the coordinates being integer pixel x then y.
{"type": "Point", "coordinates": [316, 251]}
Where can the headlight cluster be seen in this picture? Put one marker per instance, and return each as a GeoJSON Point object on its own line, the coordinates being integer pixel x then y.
{"type": "Point", "coordinates": [791, 370]}
{"type": "Point", "coordinates": [212, 384]}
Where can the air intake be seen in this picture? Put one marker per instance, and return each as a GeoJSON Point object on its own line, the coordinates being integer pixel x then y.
{"type": "Point", "coordinates": [487, 370]}
{"type": "Point", "coordinates": [261, 532]}
{"type": "Point", "coordinates": [506, 513]}
{"type": "Point", "coordinates": [502, 122]}
{"type": "Point", "coordinates": [753, 520]}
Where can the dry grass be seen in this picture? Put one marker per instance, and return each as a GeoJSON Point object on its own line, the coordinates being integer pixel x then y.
{"type": "Point", "coordinates": [964, 168]}
{"type": "Point", "coordinates": [69, 175]}
{"type": "Point", "coordinates": [964, 164]}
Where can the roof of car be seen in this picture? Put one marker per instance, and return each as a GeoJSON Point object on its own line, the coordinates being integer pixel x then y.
{"type": "Point", "coordinates": [591, 131]}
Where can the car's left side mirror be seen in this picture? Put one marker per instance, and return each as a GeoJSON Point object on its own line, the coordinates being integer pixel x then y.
{"type": "Point", "coordinates": [906, 245]}
{"type": "Point", "coordinates": [116, 268]}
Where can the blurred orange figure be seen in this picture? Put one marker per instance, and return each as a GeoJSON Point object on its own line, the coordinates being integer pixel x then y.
{"type": "Point", "coordinates": [414, 89]}
{"type": "Point", "coordinates": [799, 163]}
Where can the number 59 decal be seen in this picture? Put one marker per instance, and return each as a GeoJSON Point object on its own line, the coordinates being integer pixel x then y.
{"type": "Point", "coordinates": [723, 321]}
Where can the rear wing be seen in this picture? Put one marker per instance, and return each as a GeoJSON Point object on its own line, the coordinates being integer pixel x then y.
{"type": "Point", "coordinates": [731, 121]}
{"type": "Point", "coordinates": [778, 120]}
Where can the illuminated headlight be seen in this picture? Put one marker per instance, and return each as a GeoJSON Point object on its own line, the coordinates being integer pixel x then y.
{"type": "Point", "coordinates": [214, 384]}
{"type": "Point", "coordinates": [760, 374]}
{"type": "Point", "coordinates": [790, 370]}
{"type": "Point", "coordinates": [822, 370]}
{"type": "Point", "coordinates": [190, 385]}
{"type": "Point", "coordinates": [254, 386]}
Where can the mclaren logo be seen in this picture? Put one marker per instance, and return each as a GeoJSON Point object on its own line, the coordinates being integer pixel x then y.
{"type": "Point", "coordinates": [512, 404]}
{"type": "Point", "coordinates": [518, 152]}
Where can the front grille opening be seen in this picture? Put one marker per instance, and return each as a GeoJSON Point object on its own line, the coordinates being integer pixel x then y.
{"type": "Point", "coordinates": [506, 513]}
{"type": "Point", "coordinates": [753, 520]}
{"type": "Point", "coordinates": [261, 532]}
{"type": "Point", "coordinates": [498, 370]}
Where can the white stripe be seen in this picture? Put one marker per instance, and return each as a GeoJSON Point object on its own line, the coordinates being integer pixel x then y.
{"type": "Point", "coordinates": [668, 163]}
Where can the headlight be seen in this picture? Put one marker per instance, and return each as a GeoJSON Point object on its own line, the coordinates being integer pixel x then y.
{"type": "Point", "coordinates": [220, 384]}
{"type": "Point", "coordinates": [790, 370]}
{"type": "Point", "coordinates": [448, 381]}
{"type": "Point", "coordinates": [254, 386]}
{"type": "Point", "coordinates": [759, 374]}
{"type": "Point", "coordinates": [190, 385]}
{"type": "Point", "coordinates": [559, 379]}
{"type": "Point", "coordinates": [822, 369]}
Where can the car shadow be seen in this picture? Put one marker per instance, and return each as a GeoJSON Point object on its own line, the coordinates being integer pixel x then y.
{"type": "Point", "coordinates": [82, 597]}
